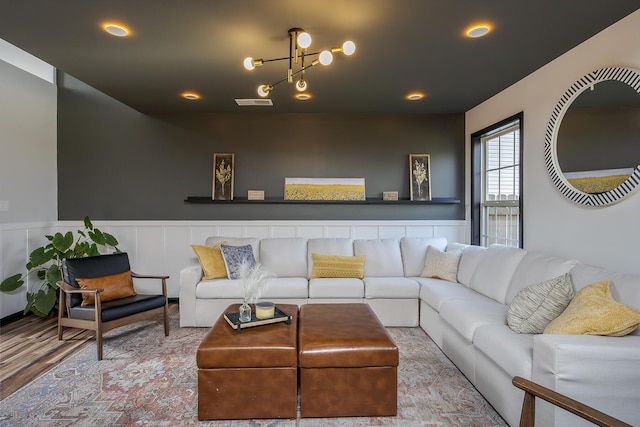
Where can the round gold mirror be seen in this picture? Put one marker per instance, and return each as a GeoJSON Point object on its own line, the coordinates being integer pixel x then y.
{"type": "Point", "coordinates": [592, 144]}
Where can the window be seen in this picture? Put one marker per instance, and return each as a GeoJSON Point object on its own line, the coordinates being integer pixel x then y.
{"type": "Point", "coordinates": [497, 184]}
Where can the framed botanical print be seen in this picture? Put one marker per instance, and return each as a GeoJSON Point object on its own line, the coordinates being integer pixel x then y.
{"type": "Point", "coordinates": [223, 164]}
{"type": "Point", "coordinates": [420, 176]}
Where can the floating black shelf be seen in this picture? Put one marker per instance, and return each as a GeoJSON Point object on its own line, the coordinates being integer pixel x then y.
{"type": "Point", "coordinates": [369, 201]}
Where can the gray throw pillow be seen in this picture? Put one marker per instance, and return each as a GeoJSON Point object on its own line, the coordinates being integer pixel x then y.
{"type": "Point", "coordinates": [535, 306]}
{"type": "Point", "coordinates": [233, 256]}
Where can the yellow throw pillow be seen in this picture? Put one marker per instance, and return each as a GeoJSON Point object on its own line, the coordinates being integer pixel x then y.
{"type": "Point", "coordinates": [211, 261]}
{"type": "Point", "coordinates": [115, 286]}
{"type": "Point", "coordinates": [337, 266]}
{"type": "Point", "coordinates": [593, 311]}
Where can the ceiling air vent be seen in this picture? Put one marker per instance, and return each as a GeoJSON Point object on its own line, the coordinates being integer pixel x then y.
{"type": "Point", "coordinates": [254, 102]}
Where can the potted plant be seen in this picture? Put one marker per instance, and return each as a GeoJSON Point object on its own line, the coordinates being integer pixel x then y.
{"type": "Point", "coordinates": [46, 263]}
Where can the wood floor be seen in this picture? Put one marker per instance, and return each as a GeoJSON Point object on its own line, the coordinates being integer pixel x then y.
{"type": "Point", "coordinates": [29, 347]}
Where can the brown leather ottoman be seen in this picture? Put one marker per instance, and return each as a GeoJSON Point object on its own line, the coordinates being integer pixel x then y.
{"type": "Point", "coordinates": [248, 375]}
{"type": "Point", "coordinates": [348, 363]}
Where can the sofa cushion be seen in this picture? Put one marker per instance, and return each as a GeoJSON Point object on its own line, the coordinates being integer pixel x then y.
{"type": "Point", "coordinates": [593, 311]}
{"type": "Point", "coordinates": [211, 261]}
{"type": "Point", "coordinates": [235, 256]}
{"type": "Point", "coordinates": [284, 257]}
{"type": "Point", "coordinates": [512, 352]}
{"type": "Point", "coordinates": [537, 267]}
{"type": "Point", "coordinates": [414, 252]}
{"type": "Point", "coordinates": [469, 261]}
{"type": "Point", "coordinates": [286, 287]}
{"type": "Point", "coordinates": [328, 246]}
{"type": "Point", "coordinates": [494, 272]}
{"type": "Point", "coordinates": [536, 305]}
{"type": "Point", "coordinates": [220, 288]}
{"type": "Point", "coordinates": [442, 265]}
{"type": "Point", "coordinates": [334, 266]}
{"type": "Point", "coordinates": [435, 291]}
{"type": "Point", "coordinates": [465, 316]}
{"type": "Point", "coordinates": [391, 287]}
{"type": "Point", "coordinates": [277, 287]}
{"type": "Point", "coordinates": [382, 257]}
{"type": "Point", "coordinates": [336, 288]}
{"type": "Point", "coordinates": [624, 287]}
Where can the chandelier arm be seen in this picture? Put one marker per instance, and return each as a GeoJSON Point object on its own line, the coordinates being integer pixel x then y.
{"type": "Point", "coordinates": [275, 59]}
{"type": "Point", "coordinates": [289, 57]}
{"type": "Point", "coordinates": [287, 78]}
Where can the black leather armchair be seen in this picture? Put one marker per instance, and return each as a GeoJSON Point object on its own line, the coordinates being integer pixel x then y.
{"type": "Point", "coordinates": [105, 316]}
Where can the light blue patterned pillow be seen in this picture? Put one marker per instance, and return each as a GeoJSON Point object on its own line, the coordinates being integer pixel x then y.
{"type": "Point", "coordinates": [234, 256]}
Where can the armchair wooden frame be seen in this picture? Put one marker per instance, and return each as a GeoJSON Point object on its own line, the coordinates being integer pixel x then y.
{"type": "Point", "coordinates": [533, 390]}
{"type": "Point", "coordinates": [97, 325]}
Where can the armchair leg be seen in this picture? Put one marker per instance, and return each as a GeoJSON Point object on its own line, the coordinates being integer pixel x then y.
{"type": "Point", "coordinates": [527, 418]}
{"type": "Point", "coordinates": [61, 300]}
{"type": "Point", "coordinates": [166, 321]}
{"type": "Point", "coordinates": [99, 343]}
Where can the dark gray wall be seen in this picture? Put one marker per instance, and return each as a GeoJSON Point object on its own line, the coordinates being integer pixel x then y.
{"type": "Point", "coordinates": [117, 164]}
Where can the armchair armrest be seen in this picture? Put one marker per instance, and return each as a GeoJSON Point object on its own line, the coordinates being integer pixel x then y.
{"type": "Point", "coordinates": [148, 276]}
{"type": "Point", "coordinates": [533, 390]}
{"type": "Point", "coordinates": [68, 289]}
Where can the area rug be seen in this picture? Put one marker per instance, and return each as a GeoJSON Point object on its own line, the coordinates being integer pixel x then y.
{"type": "Point", "coordinates": [147, 379]}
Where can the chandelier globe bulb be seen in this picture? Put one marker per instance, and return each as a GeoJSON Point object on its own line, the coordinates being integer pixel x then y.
{"type": "Point", "coordinates": [326, 57]}
{"type": "Point", "coordinates": [263, 90]}
{"type": "Point", "coordinates": [301, 85]}
{"type": "Point", "coordinates": [348, 48]}
{"type": "Point", "coordinates": [248, 63]}
{"type": "Point", "coordinates": [304, 40]}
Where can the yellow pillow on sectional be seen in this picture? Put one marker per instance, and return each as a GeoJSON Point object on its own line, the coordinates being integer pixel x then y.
{"type": "Point", "coordinates": [211, 261]}
{"type": "Point", "coordinates": [337, 266]}
{"type": "Point", "coordinates": [593, 311]}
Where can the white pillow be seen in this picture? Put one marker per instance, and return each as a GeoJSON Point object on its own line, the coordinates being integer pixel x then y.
{"type": "Point", "coordinates": [442, 265]}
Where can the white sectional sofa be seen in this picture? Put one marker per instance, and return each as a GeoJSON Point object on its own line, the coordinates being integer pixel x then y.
{"type": "Point", "coordinates": [467, 319]}
{"type": "Point", "coordinates": [393, 296]}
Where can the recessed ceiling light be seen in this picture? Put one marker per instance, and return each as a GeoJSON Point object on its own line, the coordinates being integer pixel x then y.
{"type": "Point", "coordinates": [191, 96]}
{"type": "Point", "coordinates": [415, 96]}
{"type": "Point", "coordinates": [478, 30]}
{"type": "Point", "coordinates": [117, 30]}
{"type": "Point", "coordinates": [303, 96]}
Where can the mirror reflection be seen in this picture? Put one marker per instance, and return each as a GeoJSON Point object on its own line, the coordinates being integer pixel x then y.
{"type": "Point", "coordinates": [598, 141]}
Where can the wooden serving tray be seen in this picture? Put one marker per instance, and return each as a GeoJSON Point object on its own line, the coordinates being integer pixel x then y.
{"type": "Point", "coordinates": [233, 319]}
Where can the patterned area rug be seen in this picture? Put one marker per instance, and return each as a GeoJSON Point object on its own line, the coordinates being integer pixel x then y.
{"type": "Point", "coordinates": [147, 379]}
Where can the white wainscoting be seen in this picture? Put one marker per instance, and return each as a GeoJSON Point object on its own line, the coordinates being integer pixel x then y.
{"type": "Point", "coordinates": [162, 247]}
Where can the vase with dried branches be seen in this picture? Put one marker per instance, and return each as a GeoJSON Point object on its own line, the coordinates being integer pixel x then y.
{"type": "Point", "coordinates": [254, 280]}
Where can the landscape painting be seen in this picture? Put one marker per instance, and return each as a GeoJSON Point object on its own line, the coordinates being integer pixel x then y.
{"type": "Point", "coordinates": [324, 189]}
{"type": "Point", "coordinates": [598, 181]}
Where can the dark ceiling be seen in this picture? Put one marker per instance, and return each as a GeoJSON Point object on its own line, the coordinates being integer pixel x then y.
{"type": "Point", "coordinates": [402, 46]}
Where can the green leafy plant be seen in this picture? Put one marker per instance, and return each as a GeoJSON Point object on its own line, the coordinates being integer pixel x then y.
{"type": "Point", "coordinates": [46, 263]}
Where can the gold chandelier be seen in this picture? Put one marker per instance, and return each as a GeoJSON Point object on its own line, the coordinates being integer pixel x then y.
{"type": "Point", "coordinates": [299, 42]}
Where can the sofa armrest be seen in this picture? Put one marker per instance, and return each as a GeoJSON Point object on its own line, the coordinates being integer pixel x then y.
{"type": "Point", "coordinates": [602, 372]}
{"type": "Point", "coordinates": [189, 278]}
